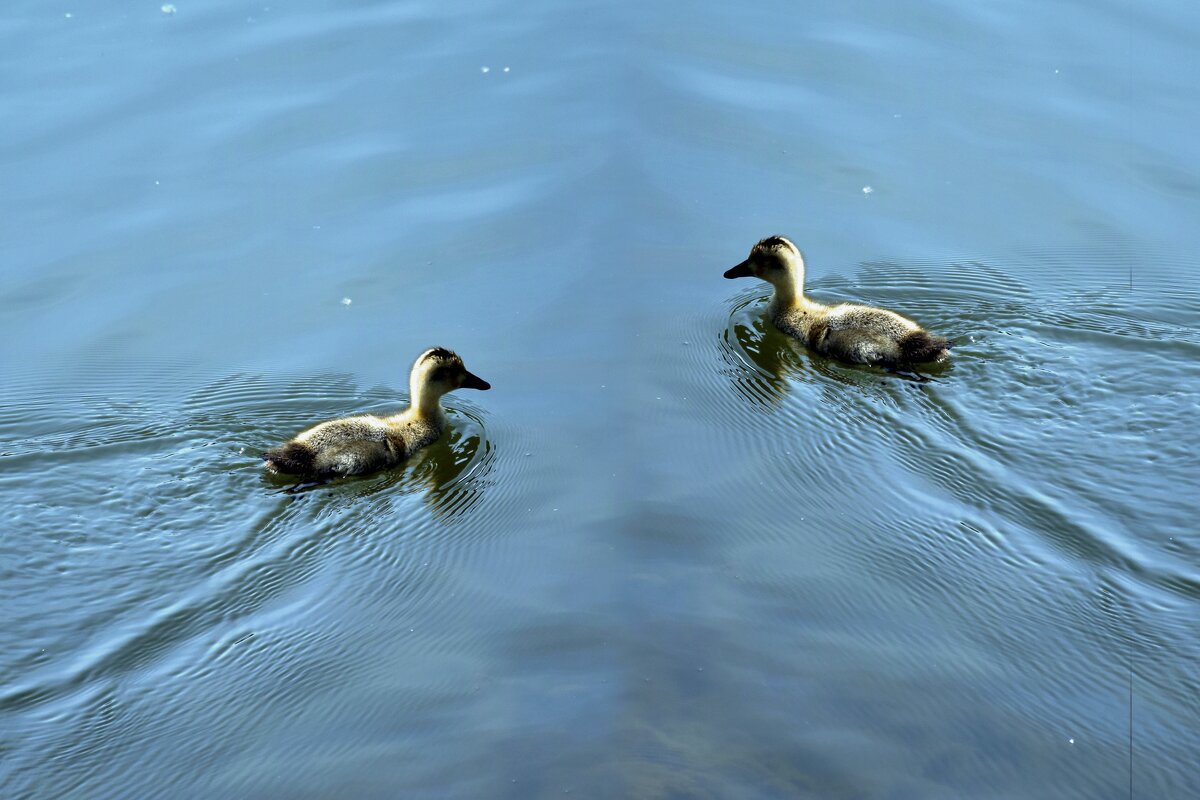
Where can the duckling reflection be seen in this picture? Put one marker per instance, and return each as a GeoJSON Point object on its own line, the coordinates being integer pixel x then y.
{"type": "Point", "coordinates": [453, 473]}
{"type": "Point", "coordinates": [853, 333]}
{"type": "Point", "coordinates": [758, 367]}
{"type": "Point", "coordinates": [456, 473]}
{"type": "Point", "coordinates": [762, 359]}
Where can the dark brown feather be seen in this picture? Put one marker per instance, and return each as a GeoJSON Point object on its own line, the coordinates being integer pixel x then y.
{"type": "Point", "coordinates": [292, 458]}
{"type": "Point", "coordinates": [921, 346]}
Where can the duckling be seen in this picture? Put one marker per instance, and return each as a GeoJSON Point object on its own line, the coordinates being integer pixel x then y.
{"type": "Point", "coordinates": [853, 333]}
{"type": "Point", "coordinates": [355, 445]}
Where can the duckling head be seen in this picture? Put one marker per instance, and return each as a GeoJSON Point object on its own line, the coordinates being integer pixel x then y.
{"type": "Point", "coordinates": [437, 371]}
{"type": "Point", "coordinates": [775, 260]}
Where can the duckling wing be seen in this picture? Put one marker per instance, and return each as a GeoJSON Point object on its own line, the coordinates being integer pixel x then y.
{"type": "Point", "coordinates": [348, 446]}
{"type": "Point", "coordinates": [355, 458]}
{"type": "Point", "coordinates": [353, 446]}
{"type": "Point", "coordinates": [865, 335]}
{"type": "Point", "coordinates": [860, 346]}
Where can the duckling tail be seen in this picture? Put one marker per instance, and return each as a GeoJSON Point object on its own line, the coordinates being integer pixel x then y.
{"type": "Point", "coordinates": [292, 458]}
{"type": "Point", "coordinates": [920, 346]}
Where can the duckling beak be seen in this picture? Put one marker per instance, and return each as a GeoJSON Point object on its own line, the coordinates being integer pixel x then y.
{"type": "Point", "coordinates": [475, 382]}
{"type": "Point", "coordinates": [742, 270]}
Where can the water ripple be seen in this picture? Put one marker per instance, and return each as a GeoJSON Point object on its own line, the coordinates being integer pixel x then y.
{"type": "Point", "coordinates": [237, 591]}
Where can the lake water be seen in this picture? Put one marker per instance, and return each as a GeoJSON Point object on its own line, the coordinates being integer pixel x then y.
{"type": "Point", "coordinates": [671, 554]}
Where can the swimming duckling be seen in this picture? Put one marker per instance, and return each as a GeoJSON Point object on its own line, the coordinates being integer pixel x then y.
{"type": "Point", "coordinates": [858, 334]}
{"type": "Point", "coordinates": [354, 445]}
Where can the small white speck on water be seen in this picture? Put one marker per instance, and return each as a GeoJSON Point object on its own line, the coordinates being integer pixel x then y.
{"type": "Point", "coordinates": [68, 15]}
{"type": "Point", "coordinates": [156, 183]}
{"type": "Point", "coordinates": [316, 227]}
{"type": "Point", "coordinates": [506, 69]}
{"type": "Point", "coordinates": [1069, 741]}
{"type": "Point", "coordinates": [867, 190]}
{"type": "Point", "coordinates": [485, 70]}
{"type": "Point", "coordinates": [527, 455]}
{"type": "Point", "coordinates": [1055, 72]}
{"type": "Point", "coordinates": [897, 116]}
{"type": "Point", "coordinates": [346, 301]}
{"type": "Point", "coordinates": [168, 8]}
{"type": "Point", "coordinates": [686, 342]}
{"type": "Point", "coordinates": [556, 509]}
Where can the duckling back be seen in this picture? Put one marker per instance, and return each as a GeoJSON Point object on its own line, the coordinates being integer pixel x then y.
{"type": "Point", "coordinates": [864, 334]}
{"type": "Point", "coordinates": [350, 446]}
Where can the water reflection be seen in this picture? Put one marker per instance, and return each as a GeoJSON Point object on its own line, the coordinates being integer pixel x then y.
{"type": "Point", "coordinates": [758, 357]}
{"type": "Point", "coordinates": [453, 472]}
{"type": "Point", "coordinates": [786, 577]}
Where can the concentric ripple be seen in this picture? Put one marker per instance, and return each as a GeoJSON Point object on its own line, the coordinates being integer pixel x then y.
{"type": "Point", "coordinates": [1008, 468]}
{"type": "Point", "coordinates": [149, 488]}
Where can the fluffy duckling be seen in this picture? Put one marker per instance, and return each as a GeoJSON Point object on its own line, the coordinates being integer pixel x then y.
{"type": "Point", "coordinates": [858, 334]}
{"type": "Point", "coordinates": [354, 445]}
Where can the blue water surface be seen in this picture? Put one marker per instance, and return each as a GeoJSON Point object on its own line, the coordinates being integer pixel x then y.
{"type": "Point", "coordinates": [672, 553]}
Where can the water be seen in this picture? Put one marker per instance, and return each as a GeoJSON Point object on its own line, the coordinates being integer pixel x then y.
{"type": "Point", "coordinates": [671, 554]}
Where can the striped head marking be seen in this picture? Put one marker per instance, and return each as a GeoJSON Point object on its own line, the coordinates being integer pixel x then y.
{"type": "Point", "coordinates": [441, 370]}
{"type": "Point", "coordinates": [770, 259]}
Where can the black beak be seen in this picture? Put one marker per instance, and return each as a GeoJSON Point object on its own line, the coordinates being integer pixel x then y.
{"type": "Point", "coordinates": [742, 270]}
{"type": "Point", "coordinates": [475, 382]}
